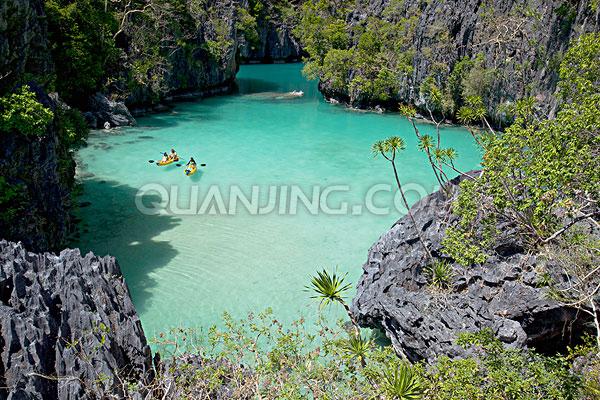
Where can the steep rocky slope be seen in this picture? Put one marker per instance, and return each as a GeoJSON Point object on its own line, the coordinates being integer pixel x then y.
{"type": "Point", "coordinates": [23, 41]}
{"type": "Point", "coordinates": [275, 41]}
{"type": "Point", "coordinates": [520, 44]}
{"type": "Point", "coordinates": [68, 327]}
{"type": "Point", "coordinates": [41, 168]}
{"type": "Point", "coordinates": [506, 293]}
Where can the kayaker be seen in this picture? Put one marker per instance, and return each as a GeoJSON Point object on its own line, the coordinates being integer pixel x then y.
{"type": "Point", "coordinates": [173, 155]}
{"type": "Point", "coordinates": [191, 163]}
{"type": "Point", "coordinates": [165, 157]}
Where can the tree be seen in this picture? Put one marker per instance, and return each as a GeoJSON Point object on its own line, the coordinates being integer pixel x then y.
{"type": "Point", "coordinates": [389, 148]}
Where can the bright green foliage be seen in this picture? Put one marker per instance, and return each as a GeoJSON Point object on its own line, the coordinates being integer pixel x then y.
{"type": "Point", "coordinates": [473, 112]}
{"type": "Point", "coordinates": [328, 287]}
{"type": "Point", "coordinates": [259, 357]}
{"type": "Point", "coordinates": [439, 274]}
{"type": "Point", "coordinates": [580, 69]}
{"type": "Point", "coordinates": [356, 347]}
{"type": "Point", "coordinates": [402, 383]}
{"type": "Point", "coordinates": [538, 170]}
{"type": "Point", "coordinates": [378, 54]}
{"type": "Point", "coordinates": [21, 112]}
{"type": "Point", "coordinates": [247, 25]}
{"type": "Point", "coordinates": [82, 46]}
{"type": "Point", "coordinates": [389, 147]}
{"type": "Point", "coordinates": [505, 373]}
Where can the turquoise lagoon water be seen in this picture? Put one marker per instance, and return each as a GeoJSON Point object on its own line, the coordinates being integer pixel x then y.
{"type": "Point", "coordinates": [186, 268]}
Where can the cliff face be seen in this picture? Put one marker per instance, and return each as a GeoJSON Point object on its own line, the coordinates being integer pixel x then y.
{"type": "Point", "coordinates": [23, 41]}
{"type": "Point", "coordinates": [275, 41]}
{"type": "Point", "coordinates": [40, 167]}
{"type": "Point", "coordinates": [505, 294]}
{"type": "Point", "coordinates": [520, 44]}
{"type": "Point", "coordinates": [68, 329]}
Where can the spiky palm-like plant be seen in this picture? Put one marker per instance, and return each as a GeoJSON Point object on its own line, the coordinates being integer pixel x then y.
{"type": "Point", "coordinates": [389, 148]}
{"type": "Point", "coordinates": [330, 288]}
{"type": "Point", "coordinates": [356, 346]}
{"type": "Point", "coordinates": [439, 274]}
{"type": "Point", "coordinates": [401, 383]}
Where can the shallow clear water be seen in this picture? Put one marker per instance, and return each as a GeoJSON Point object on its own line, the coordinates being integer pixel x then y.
{"type": "Point", "coordinates": [185, 270]}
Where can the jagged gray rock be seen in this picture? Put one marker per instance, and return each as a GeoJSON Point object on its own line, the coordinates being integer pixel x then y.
{"type": "Point", "coordinates": [104, 110]}
{"type": "Point", "coordinates": [68, 328]}
{"type": "Point", "coordinates": [504, 294]}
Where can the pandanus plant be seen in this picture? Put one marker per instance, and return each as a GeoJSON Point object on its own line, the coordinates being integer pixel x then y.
{"type": "Point", "coordinates": [389, 149]}
{"type": "Point", "coordinates": [331, 288]}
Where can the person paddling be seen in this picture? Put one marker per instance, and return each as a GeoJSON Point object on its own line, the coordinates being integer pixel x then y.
{"type": "Point", "coordinates": [165, 157]}
{"type": "Point", "coordinates": [173, 155]}
{"type": "Point", "coordinates": [190, 167]}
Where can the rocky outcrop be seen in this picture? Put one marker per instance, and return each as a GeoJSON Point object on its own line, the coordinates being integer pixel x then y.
{"type": "Point", "coordinates": [191, 70]}
{"type": "Point", "coordinates": [40, 169]}
{"type": "Point", "coordinates": [68, 328]}
{"type": "Point", "coordinates": [104, 110]}
{"type": "Point", "coordinates": [505, 293]}
{"type": "Point", "coordinates": [521, 43]}
{"type": "Point", "coordinates": [276, 43]}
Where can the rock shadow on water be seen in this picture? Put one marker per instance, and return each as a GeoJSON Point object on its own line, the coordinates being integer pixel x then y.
{"type": "Point", "coordinates": [246, 86]}
{"type": "Point", "coordinates": [116, 227]}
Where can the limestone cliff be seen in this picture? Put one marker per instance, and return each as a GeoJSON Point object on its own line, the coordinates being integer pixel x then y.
{"type": "Point", "coordinates": [41, 168]}
{"type": "Point", "coordinates": [275, 41]}
{"type": "Point", "coordinates": [520, 44]}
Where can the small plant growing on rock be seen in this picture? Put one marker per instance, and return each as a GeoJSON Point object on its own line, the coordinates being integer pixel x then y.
{"type": "Point", "coordinates": [439, 274]}
{"type": "Point", "coordinates": [357, 347]}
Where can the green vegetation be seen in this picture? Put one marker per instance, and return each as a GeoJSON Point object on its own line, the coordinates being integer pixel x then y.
{"type": "Point", "coordinates": [258, 357]}
{"type": "Point", "coordinates": [71, 126]}
{"type": "Point", "coordinates": [22, 112]}
{"type": "Point", "coordinates": [542, 174]}
{"type": "Point", "coordinates": [80, 33]}
{"type": "Point", "coordinates": [388, 149]}
{"type": "Point", "coordinates": [439, 274]}
{"type": "Point", "coordinates": [379, 53]}
{"type": "Point", "coordinates": [13, 201]}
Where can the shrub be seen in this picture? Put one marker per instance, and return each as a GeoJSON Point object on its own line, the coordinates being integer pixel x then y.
{"type": "Point", "coordinates": [21, 112]}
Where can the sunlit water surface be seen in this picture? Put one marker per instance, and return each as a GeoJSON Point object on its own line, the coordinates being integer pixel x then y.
{"type": "Point", "coordinates": [186, 269]}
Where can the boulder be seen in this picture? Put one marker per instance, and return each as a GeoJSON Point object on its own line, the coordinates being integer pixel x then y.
{"type": "Point", "coordinates": [102, 110]}
{"type": "Point", "coordinates": [68, 328]}
{"type": "Point", "coordinates": [504, 294]}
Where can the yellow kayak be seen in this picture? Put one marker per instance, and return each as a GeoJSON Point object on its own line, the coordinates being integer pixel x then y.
{"type": "Point", "coordinates": [191, 170]}
{"type": "Point", "coordinates": [161, 163]}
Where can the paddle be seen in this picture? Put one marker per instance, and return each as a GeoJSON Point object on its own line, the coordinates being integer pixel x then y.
{"type": "Point", "coordinates": [198, 165]}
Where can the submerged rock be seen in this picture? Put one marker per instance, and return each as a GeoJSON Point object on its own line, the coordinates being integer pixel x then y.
{"type": "Point", "coordinates": [504, 294]}
{"type": "Point", "coordinates": [68, 328]}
